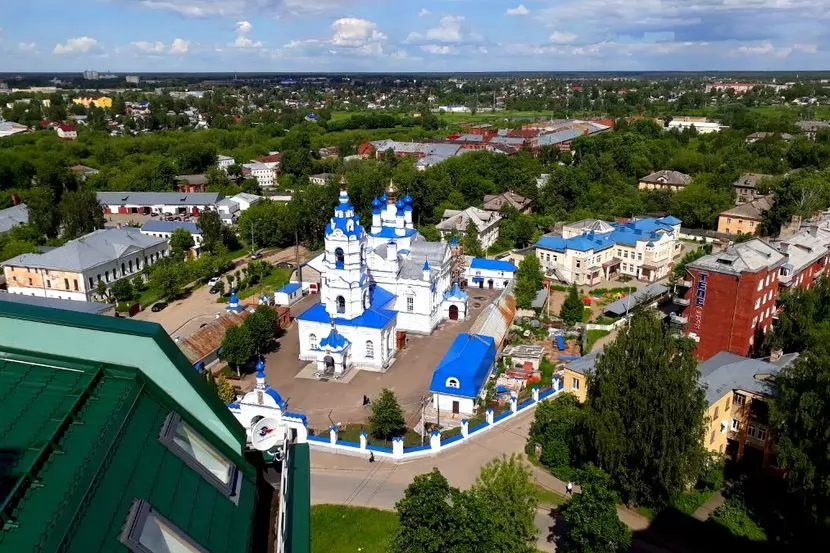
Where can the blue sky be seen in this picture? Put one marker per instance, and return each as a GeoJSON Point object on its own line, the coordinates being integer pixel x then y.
{"type": "Point", "coordinates": [414, 35]}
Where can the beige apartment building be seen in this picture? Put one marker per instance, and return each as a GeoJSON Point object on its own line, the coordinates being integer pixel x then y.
{"type": "Point", "coordinates": [73, 270]}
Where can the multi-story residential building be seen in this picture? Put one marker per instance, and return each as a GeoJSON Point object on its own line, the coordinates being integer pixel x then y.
{"type": "Point", "coordinates": [74, 270]}
{"type": "Point", "coordinates": [744, 218]}
{"type": "Point", "coordinates": [495, 202]}
{"type": "Point", "coordinates": [590, 250]}
{"type": "Point", "coordinates": [665, 179]}
{"type": "Point", "coordinates": [486, 224]}
{"type": "Point", "coordinates": [223, 162]}
{"type": "Point", "coordinates": [729, 297]}
{"type": "Point", "coordinates": [265, 176]}
{"type": "Point", "coordinates": [807, 256]}
{"type": "Point", "coordinates": [746, 187]}
{"type": "Point", "coordinates": [114, 443]}
{"type": "Point", "coordinates": [737, 416]}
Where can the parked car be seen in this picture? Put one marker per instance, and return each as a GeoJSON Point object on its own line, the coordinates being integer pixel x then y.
{"type": "Point", "coordinates": [158, 306]}
{"type": "Point", "coordinates": [285, 265]}
{"type": "Point", "coordinates": [213, 282]}
{"type": "Point", "coordinates": [256, 255]}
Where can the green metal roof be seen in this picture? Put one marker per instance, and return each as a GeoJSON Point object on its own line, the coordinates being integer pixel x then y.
{"type": "Point", "coordinates": [81, 442]}
{"type": "Point", "coordinates": [298, 500]}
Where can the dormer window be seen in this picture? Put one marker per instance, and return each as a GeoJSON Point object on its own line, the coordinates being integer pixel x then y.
{"type": "Point", "coordinates": [453, 382]}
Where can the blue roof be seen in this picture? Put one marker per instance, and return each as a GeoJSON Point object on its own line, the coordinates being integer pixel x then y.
{"type": "Point", "coordinates": [334, 340]}
{"type": "Point", "coordinates": [455, 292]}
{"type": "Point", "coordinates": [469, 360]}
{"type": "Point", "coordinates": [627, 234]}
{"type": "Point", "coordinates": [377, 316]}
{"type": "Point", "coordinates": [170, 226]}
{"type": "Point", "coordinates": [344, 216]}
{"type": "Point", "coordinates": [491, 264]}
{"type": "Point", "coordinates": [670, 220]}
{"type": "Point", "coordinates": [277, 397]}
{"type": "Point", "coordinates": [390, 232]}
{"type": "Point", "coordinates": [290, 288]}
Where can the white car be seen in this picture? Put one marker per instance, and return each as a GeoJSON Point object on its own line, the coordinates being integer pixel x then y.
{"type": "Point", "coordinates": [213, 282]}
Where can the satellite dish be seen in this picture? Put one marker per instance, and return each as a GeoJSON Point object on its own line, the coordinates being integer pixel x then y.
{"type": "Point", "coordinates": [267, 433]}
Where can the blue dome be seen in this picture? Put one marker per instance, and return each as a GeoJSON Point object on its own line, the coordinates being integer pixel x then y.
{"type": "Point", "coordinates": [375, 203]}
{"type": "Point", "coordinates": [426, 265]}
{"type": "Point", "coordinates": [407, 199]}
{"type": "Point", "coordinates": [260, 366]}
{"type": "Point", "coordinates": [383, 197]}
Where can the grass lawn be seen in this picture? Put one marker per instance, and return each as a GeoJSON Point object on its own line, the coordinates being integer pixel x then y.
{"type": "Point", "coordinates": [341, 529]}
{"type": "Point", "coordinates": [270, 283]}
{"type": "Point", "coordinates": [149, 296]}
{"type": "Point", "coordinates": [593, 336]}
{"type": "Point", "coordinates": [351, 433]}
{"type": "Point", "coordinates": [550, 498]}
{"type": "Point", "coordinates": [735, 517]}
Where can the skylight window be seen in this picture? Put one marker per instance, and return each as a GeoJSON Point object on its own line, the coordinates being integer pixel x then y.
{"type": "Point", "coordinates": [147, 531]}
{"type": "Point", "coordinates": [199, 455]}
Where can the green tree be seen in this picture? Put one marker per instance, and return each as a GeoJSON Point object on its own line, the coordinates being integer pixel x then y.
{"type": "Point", "coordinates": [224, 389]}
{"type": "Point", "coordinates": [572, 308]}
{"type": "Point", "coordinates": [800, 414]}
{"type": "Point", "coordinates": [470, 242]}
{"type": "Point", "coordinates": [211, 226]}
{"type": "Point", "coordinates": [44, 215]}
{"type": "Point", "coordinates": [237, 347]}
{"type": "Point", "coordinates": [652, 453]}
{"type": "Point", "coordinates": [386, 420]}
{"type": "Point", "coordinates": [592, 524]}
{"type": "Point", "coordinates": [558, 427]}
{"type": "Point", "coordinates": [122, 290]}
{"type": "Point", "coordinates": [508, 483]}
{"type": "Point", "coordinates": [262, 324]}
{"type": "Point", "coordinates": [80, 213]}
{"type": "Point", "coordinates": [528, 280]}
{"type": "Point", "coordinates": [438, 518]}
{"type": "Point", "coordinates": [168, 277]}
{"type": "Point", "coordinates": [180, 242]}
{"type": "Point", "coordinates": [101, 289]}
{"type": "Point", "coordinates": [803, 319]}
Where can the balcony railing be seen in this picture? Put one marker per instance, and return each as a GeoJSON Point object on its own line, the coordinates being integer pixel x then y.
{"type": "Point", "coordinates": [680, 300]}
{"type": "Point", "coordinates": [685, 283]}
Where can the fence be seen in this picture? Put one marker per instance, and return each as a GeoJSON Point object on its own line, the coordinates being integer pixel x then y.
{"type": "Point", "coordinates": [435, 444]}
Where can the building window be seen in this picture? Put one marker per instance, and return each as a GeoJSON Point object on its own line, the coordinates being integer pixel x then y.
{"type": "Point", "coordinates": [48, 283]}
{"type": "Point", "coordinates": [91, 284]}
{"type": "Point", "coordinates": [30, 282]}
{"type": "Point", "coordinates": [410, 304]}
{"type": "Point", "coordinates": [146, 531]}
{"type": "Point", "coordinates": [574, 383]}
{"type": "Point", "coordinates": [66, 283]}
{"type": "Point", "coordinates": [453, 382]}
{"type": "Point", "coordinates": [757, 303]}
{"type": "Point", "coordinates": [762, 434]}
{"type": "Point", "coordinates": [717, 411]}
{"type": "Point", "coordinates": [339, 258]}
{"type": "Point", "coordinates": [75, 284]}
{"type": "Point", "coordinates": [312, 341]}
{"type": "Point", "coordinates": [736, 425]}
{"type": "Point", "coordinates": [712, 437]}
{"type": "Point", "coordinates": [370, 349]}
{"type": "Point", "coordinates": [639, 257]}
{"type": "Point", "coordinates": [131, 265]}
{"type": "Point", "coordinates": [751, 430]}
{"type": "Point", "coordinates": [107, 275]}
{"type": "Point", "coordinates": [760, 284]}
{"type": "Point", "coordinates": [578, 264]}
{"type": "Point", "coordinates": [740, 399]}
{"type": "Point", "coordinates": [198, 454]}
{"type": "Point", "coordinates": [341, 304]}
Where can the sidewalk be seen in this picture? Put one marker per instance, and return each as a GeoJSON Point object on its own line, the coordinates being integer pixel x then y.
{"type": "Point", "coordinates": [710, 505]}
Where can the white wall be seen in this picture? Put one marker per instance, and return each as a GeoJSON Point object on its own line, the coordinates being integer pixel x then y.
{"type": "Point", "coordinates": [358, 337]}
{"type": "Point", "coordinates": [443, 402]}
{"type": "Point", "coordinates": [500, 278]}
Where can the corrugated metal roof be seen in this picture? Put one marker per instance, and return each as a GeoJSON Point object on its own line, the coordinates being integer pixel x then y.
{"type": "Point", "coordinates": [208, 339]}
{"type": "Point", "coordinates": [158, 198]}
{"type": "Point", "coordinates": [94, 308]}
{"type": "Point", "coordinates": [13, 216]}
{"type": "Point", "coordinates": [496, 318]}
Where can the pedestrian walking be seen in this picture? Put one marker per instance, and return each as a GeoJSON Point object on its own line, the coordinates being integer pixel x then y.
{"type": "Point", "coordinates": [569, 488]}
{"type": "Point", "coordinates": [371, 456]}
{"type": "Point", "coordinates": [366, 400]}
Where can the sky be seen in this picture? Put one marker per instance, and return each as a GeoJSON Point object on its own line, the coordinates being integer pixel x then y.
{"type": "Point", "coordinates": [413, 35]}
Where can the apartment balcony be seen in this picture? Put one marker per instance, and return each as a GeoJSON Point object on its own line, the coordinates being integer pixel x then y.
{"type": "Point", "coordinates": [818, 272]}
{"type": "Point", "coordinates": [680, 300]}
{"type": "Point", "coordinates": [676, 319]}
{"type": "Point", "coordinates": [685, 283]}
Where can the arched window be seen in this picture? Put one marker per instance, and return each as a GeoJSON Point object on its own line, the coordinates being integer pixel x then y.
{"type": "Point", "coordinates": [367, 301]}
{"type": "Point", "coordinates": [123, 270]}
{"type": "Point", "coordinates": [370, 349]}
{"type": "Point", "coordinates": [312, 341]}
{"type": "Point", "coordinates": [339, 258]}
{"type": "Point", "coordinates": [453, 382]}
{"type": "Point", "coordinates": [341, 304]}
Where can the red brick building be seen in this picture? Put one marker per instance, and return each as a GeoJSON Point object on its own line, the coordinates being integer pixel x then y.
{"type": "Point", "coordinates": [729, 298]}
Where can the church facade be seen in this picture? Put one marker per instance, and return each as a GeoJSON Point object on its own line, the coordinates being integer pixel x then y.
{"type": "Point", "coordinates": [377, 284]}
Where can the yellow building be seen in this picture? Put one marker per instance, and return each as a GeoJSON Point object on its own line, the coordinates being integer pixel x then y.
{"type": "Point", "coordinates": [575, 375]}
{"type": "Point", "coordinates": [744, 218]}
{"type": "Point", "coordinates": [737, 417]}
{"type": "Point", "coordinates": [100, 102]}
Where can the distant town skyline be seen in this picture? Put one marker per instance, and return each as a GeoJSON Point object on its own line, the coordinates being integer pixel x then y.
{"type": "Point", "coordinates": [434, 35]}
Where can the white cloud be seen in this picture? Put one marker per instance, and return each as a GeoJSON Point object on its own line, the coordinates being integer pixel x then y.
{"type": "Point", "coordinates": [180, 46]}
{"type": "Point", "coordinates": [77, 45]}
{"type": "Point", "coordinates": [424, 13]}
{"type": "Point", "coordinates": [518, 10]}
{"type": "Point", "coordinates": [27, 46]}
{"type": "Point", "coordinates": [242, 38]}
{"type": "Point", "coordinates": [562, 37]}
{"type": "Point", "coordinates": [765, 48]}
{"type": "Point", "coordinates": [150, 47]}
{"type": "Point", "coordinates": [436, 49]}
{"type": "Point", "coordinates": [448, 29]}
{"type": "Point", "coordinates": [237, 8]}
{"type": "Point", "coordinates": [355, 32]}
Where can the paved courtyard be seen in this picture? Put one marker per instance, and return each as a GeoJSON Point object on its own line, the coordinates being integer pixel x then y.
{"type": "Point", "coordinates": [325, 403]}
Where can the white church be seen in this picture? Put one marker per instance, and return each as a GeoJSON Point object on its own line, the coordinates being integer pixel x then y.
{"type": "Point", "coordinates": [376, 287]}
